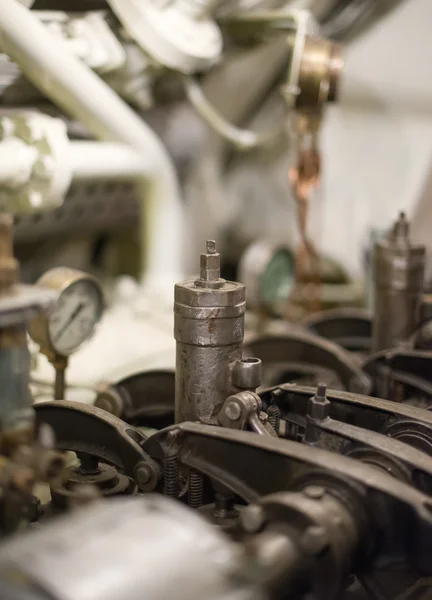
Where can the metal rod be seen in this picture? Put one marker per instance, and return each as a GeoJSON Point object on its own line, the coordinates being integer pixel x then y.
{"type": "Point", "coordinates": [50, 65]}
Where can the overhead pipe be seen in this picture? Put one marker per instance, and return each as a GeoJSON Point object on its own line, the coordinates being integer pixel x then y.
{"type": "Point", "coordinates": [90, 161]}
{"type": "Point", "coordinates": [48, 63]}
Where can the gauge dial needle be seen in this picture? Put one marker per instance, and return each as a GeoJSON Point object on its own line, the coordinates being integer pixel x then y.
{"type": "Point", "coordinates": [72, 317]}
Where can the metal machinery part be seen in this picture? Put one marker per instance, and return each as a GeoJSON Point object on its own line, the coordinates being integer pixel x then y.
{"type": "Point", "coordinates": [179, 34]}
{"type": "Point", "coordinates": [399, 267]}
{"type": "Point", "coordinates": [351, 328]}
{"type": "Point", "coordinates": [27, 453]}
{"type": "Point", "coordinates": [18, 304]}
{"type": "Point", "coordinates": [145, 398]}
{"type": "Point", "coordinates": [291, 354]}
{"type": "Point", "coordinates": [209, 330]}
{"type": "Point", "coordinates": [82, 297]}
{"type": "Point", "coordinates": [182, 554]}
{"type": "Point", "coordinates": [317, 493]}
{"type": "Point", "coordinates": [71, 321]}
{"type": "Point", "coordinates": [102, 54]}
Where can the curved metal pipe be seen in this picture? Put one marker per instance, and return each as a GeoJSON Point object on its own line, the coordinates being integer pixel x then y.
{"type": "Point", "coordinates": [47, 62]}
{"type": "Point", "coordinates": [243, 139]}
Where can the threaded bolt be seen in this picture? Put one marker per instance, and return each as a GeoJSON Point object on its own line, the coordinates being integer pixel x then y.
{"type": "Point", "coordinates": [196, 489]}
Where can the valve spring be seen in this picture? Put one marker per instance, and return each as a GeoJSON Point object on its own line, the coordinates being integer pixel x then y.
{"type": "Point", "coordinates": [196, 489]}
{"type": "Point", "coordinates": [171, 473]}
{"type": "Point", "coordinates": [273, 412]}
{"type": "Point", "coordinates": [292, 431]}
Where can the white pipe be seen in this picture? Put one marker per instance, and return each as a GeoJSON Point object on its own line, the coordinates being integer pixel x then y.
{"type": "Point", "coordinates": [106, 160]}
{"type": "Point", "coordinates": [48, 63]}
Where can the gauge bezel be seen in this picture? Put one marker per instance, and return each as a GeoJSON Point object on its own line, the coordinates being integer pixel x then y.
{"type": "Point", "coordinates": [61, 279]}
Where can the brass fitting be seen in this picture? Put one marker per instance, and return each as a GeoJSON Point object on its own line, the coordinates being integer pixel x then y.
{"type": "Point", "coordinates": [321, 67]}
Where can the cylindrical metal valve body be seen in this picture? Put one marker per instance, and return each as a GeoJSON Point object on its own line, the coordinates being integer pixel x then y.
{"type": "Point", "coordinates": [209, 331]}
{"type": "Point", "coordinates": [399, 267]}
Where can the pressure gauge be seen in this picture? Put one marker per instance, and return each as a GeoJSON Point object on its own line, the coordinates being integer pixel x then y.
{"type": "Point", "coordinates": [75, 314]}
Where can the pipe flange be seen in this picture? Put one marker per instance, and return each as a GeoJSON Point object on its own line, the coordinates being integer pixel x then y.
{"type": "Point", "coordinates": [43, 173]}
{"type": "Point", "coordinates": [174, 37]}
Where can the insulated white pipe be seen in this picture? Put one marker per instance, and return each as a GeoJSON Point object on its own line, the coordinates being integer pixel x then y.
{"type": "Point", "coordinates": [106, 160]}
{"type": "Point", "coordinates": [48, 63]}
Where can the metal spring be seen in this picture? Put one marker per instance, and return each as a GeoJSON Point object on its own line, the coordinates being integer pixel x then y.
{"type": "Point", "coordinates": [273, 412]}
{"type": "Point", "coordinates": [171, 473]}
{"type": "Point", "coordinates": [195, 489]}
{"type": "Point", "coordinates": [292, 431]}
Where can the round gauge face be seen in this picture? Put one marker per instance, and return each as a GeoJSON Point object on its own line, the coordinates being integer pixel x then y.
{"type": "Point", "coordinates": [75, 315]}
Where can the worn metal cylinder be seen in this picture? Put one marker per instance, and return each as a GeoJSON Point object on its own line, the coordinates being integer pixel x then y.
{"type": "Point", "coordinates": [209, 330]}
{"type": "Point", "coordinates": [399, 267]}
{"type": "Point", "coordinates": [16, 410]}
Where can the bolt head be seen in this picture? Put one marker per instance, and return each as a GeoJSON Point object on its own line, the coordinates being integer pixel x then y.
{"type": "Point", "coordinates": [233, 411]}
{"type": "Point", "coordinates": [145, 476]}
{"type": "Point", "coordinates": [316, 492]}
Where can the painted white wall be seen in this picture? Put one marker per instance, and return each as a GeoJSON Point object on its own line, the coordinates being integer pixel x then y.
{"type": "Point", "coordinates": [377, 144]}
